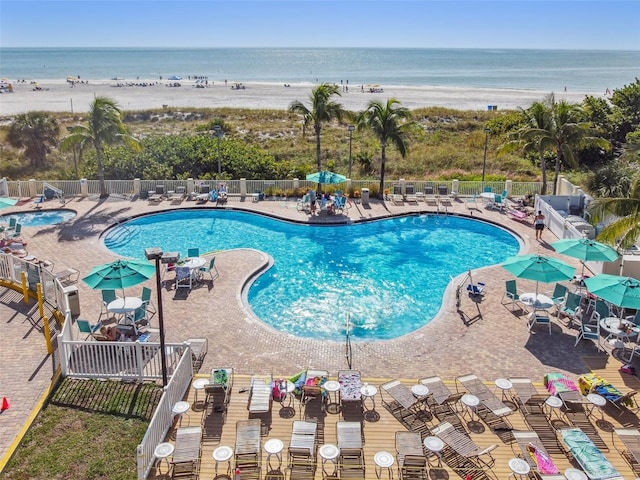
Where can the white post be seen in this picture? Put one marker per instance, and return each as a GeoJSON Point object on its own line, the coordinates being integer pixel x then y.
{"type": "Point", "coordinates": [137, 185]}
{"type": "Point", "coordinates": [190, 185]}
{"type": "Point", "coordinates": [84, 187]}
{"type": "Point", "coordinates": [243, 187]}
{"type": "Point", "coordinates": [32, 188]}
{"type": "Point", "coordinates": [508, 187]}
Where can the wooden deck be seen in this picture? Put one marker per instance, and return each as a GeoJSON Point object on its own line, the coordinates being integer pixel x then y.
{"type": "Point", "coordinates": [379, 432]}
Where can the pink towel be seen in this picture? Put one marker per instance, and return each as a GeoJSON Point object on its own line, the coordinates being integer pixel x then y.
{"type": "Point", "coordinates": [545, 464]}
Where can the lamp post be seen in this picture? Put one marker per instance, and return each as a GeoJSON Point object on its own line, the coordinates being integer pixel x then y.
{"type": "Point", "coordinates": [351, 128]}
{"type": "Point", "coordinates": [217, 131]}
{"type": "Point", "coordinates": [156, 254]}
{"type": "Point", "coordinates": [484, 162]}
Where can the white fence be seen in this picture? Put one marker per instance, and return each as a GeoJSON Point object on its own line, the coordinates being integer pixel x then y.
{"type": "Point", "coordinates": [163, 416]}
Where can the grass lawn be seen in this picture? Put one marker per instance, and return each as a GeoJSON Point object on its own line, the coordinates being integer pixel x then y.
{"type": "Point", "coordinates": [89, 429]}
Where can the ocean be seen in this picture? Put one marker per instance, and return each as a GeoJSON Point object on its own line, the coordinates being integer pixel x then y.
{"type": "Point", "coordinates": [546, 70]}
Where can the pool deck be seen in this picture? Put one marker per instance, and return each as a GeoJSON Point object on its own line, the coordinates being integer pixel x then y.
{"type": "Point", "coordinates": [485, 337]}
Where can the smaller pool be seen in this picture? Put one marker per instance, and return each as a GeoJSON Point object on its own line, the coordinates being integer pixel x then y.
{"type": "Point", "coordinates": [40, 218]}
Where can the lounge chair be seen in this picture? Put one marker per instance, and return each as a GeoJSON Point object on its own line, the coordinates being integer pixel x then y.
{"type": "Point", "coordinates": [533, 410]}
{"type": "Point", "coordinates": [533, 451]}
{"type": "Point", "coordinates": [443, 195]}
{"type": "Point", "coordinates": [248, 451]}
{"type": "Point", "coordinates": [179, 195]}
{"type": "Point", "coordinates": [397, 196]}
{"type": "Point", "coordinates": [442, 402]}
{"type": "Point", "coordinates": [631, 441]}
{"type": "Point", "coordinates": [351, 459]}
{"type": "Point", "coordinates": [511, 295]}
{"type": "Point", "coordinates": [158, 195]}
{"type": "Point", "coordinates": [350, 395]}
{"type": "Point", "coordinates": [526, 395]}
{"type": "Point", "coordinates": [476, 289]}
{"type": "Point", "coordinates": [491, 410]}
{"type": "Point", "coordinates": [68, 276]}
{"type": "Point", "coordinates": [412, 463]}
{"type": "Point", "coordinates": [410, 194]}
{"type": "Point", "coordinates": [399, 400]}
{"type": "Point", "coordinates": [463, 445]}
{"type": "Point", "coordinates": [205, 193]}
{"type": "Point", "coordinates": [588, 455]}
{"type": "Point", "coordinates": [429, 196]}
{"type": "Point", "coordinates": [518, 215]}
{"type": "Point", "coordinates": [260, 398]}
{"type": "Point", "coordinates": [187, 452]}
{"type": "Point", "coordinates": [313, 398]}
{"type": "Point", "coordinates": [218, 390]}
{"type": "Point", "coordinates": [302, 449]}
{"type": "Point", "coordinates": [591, 383]}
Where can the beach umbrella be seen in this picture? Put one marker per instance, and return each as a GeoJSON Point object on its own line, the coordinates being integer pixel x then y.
{"type": "Point", "coordinates": [538, 268]}
{"type": "Point", "coordinates": [119, 275]}
{"type": "Point", "coordinates": [7, 202]}
{"type": "Point", "coordinates": [585, 249]}
{"type": "Point", "coordinates": [326, 177]}
{"type": "Point", "coordinates": [621, 291]}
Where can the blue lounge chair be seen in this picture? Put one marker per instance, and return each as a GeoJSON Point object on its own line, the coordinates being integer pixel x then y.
{"type": "Point", "coordinates": [476, 288]}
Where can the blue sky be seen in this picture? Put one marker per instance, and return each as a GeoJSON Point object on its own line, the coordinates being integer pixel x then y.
{"type": "Point", "coordinates": [322, 23]}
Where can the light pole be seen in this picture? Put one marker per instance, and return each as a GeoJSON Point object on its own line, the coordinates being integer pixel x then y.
{"type": "Point", "coordinates": [351, 128]}
{"type": "Point", "coordinates": [217, 131]}
{"type": "Point", "coordinates": [484, 162]}
{"type": "Point", "coordinates": [156, 254]}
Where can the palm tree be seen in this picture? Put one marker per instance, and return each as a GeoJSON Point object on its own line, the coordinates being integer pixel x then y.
{"type": "Point", "coordinates": [322, 110]}
{"type": "Point", "coordinates": [537, 119]}
{"type": "Point", "coordinates": [624, 231]}
{"type": "Point", "coordinates": [37, 133]}
{"type": "Point", "coordinates": [104, 127]}
{"type": "Point", "coordinates": [390, 123]}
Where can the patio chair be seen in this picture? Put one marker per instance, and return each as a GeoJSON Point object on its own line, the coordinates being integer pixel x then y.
{"type": "Point", "coordinates": [630, 439]}
{"type": "Point", "coordinates": [16, 233]}
{"type": "Point", "coordinates": [442, 402]}
{"type": "Point", "coordinates": [187, 452]}
{"type": "Point", "coordinates": [247, 453]}
{"type": "Point", "coordinates": [476, 387]}
{"type": "Point", "coordinates": [399, 400]}
{"type": "Point", "coordinates": [533, 452]}
{"type": "Point", "coordinates": [193, 252]}
{"type": "Point", "coordinates": [85, 327]}
{"type": "Point", "coordinates": [210, 269]}
{"type": "Point", "coordinates": [571, 307]}
{"type": "Point", "coordinates": [539, 318]}
{"type": "Point", "coordinates": [302, 449]}
{"type": "Point", "coordinates": [260, 398]}
{"type": "Point", "coordinates": [179, 195]}
{"type": "Point", "coordinates": [397, 196]}
{"type": "Point", "coordinates": [350, 395]}
{"type": "Point", "coordinates": [443, 196]}
{"type": "Point", "coordinates": [218, 390]}
{"type": "Point", "coordinates": [108, 296]}
{"type": "Point", "coordinates": [589, 330]}
{"type": "Point", "coordinates": [412, 463]}
{"type": "Point", "coordinates": [499, 202]}
{"type": "Point", "coordinates": [351, 459]}
{"type": "Point", "coordinates": [511, 295]}
{"type": "Point", "coordinates": [158, 195]}
{"type": "Point", "coordinates": [463, 445]}
{"type": "Point", "coordinates": [472, 202]}
{"type": "Point", "coordinates": [410, 194]}
{"type": "Point", "coordinates": [588, 455]}
{"type": "Point", "coordinates": [526, 396]}
{"type": "Point", "coordinates": [184, 279]}
{"type": "Point", "coordinates": [600, 310]}
{"type": "Point", "coordinates": [147, 303]}
{"type": "Point", "coordinates": [559, 295]}
{"type": "Point", "coordinates": [476, 289]}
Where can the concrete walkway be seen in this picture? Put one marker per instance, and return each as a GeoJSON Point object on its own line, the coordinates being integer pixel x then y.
{"type": "Point", "coordinates": [485, 338]}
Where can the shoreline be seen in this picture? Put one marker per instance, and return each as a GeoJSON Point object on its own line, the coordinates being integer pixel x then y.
{"type": "Point", "coordinates": [62, 96]}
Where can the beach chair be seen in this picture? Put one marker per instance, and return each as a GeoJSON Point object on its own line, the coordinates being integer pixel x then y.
{"type": "Point", "coordinates": [158, 195]}
{"type": "Point", "coordinates": [248, 452]}
{"type": "Point", "coordinates": [442, 402]}
{"type": "Point", "coordinates": [410, 194]}
{"type": "Point", "coordinates": [350, 395]}
{"type": "Point", "coordinates": [398, 399]}
{"type": "Point", "coordinates": [443, 196]}
{"type": "Point", "coordinates": [187, 453]}
{"type": "Point", "coordinates": [179, 195]}
{"type": "Point", "coordinates": [429, 196]}
{"type": "Point", "coordinates": [260, 398]}
{"type": "Point", "coordinates": [491, 410]}
{"type": "Point", "coordinates": [518, 215]}
{"type": "Point", "coordinates": [630, 439]}
{"type": "Point", "coordinates": [464, 446]}
{"type": "Point", "coordinates": [302, 449]}
{"type": "Point", "coordinates": [476, 289]}
{"type": "Point", "coordinates": [351, 460]}
{"type": "Point", "coordinates": [588, 455]}
{"type": "Point", "coordinates": [204, 194]}
{"type": "Point", "coordinates": [412, 463]}
{"type": "Point", "coordinates": [533, 452]}
{"type": "Point", "coordinates": [218, 390]}
{"type": "Point", "coordinates": [397, 196]}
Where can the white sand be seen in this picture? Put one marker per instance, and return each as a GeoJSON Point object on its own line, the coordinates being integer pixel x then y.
{"type": "Point", "coordinates": [59, 96]}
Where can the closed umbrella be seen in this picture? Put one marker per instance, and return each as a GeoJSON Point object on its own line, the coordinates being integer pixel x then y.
{"type": "Point", "coordinates": [538, 268]}
{"type": "Point", "coordinates": [119, 275]}
{"type": "Point", "coordinates": [585, 249]}
{"type": "Point", "coordinates": [621, 291]}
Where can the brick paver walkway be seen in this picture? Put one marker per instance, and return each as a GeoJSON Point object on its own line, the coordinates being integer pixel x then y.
{"type": "Point", "coordinates": [485, 338]}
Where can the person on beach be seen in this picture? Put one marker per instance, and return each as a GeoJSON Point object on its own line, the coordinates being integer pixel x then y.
{"type": "Point", "coordinates": [538, 224]}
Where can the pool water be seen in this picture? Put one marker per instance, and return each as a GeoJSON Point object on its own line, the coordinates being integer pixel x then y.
{"type": "Point", "coordinates": [40, 218]}
{"type": "Point", "coordinates": [388, 275]}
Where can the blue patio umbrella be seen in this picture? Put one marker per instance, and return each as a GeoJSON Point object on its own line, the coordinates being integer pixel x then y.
{"type": "Point", "coordinates": [119, 275]}
{"type": "Point", "coordinates": [538, 268]}
{"type": "Point", "coordinates": [621, 291]}
{"type": "Point", "coordinates": [326, 177]}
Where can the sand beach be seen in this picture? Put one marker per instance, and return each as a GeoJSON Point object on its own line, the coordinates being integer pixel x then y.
{"type": "Point", "coordinates": [63, 96]}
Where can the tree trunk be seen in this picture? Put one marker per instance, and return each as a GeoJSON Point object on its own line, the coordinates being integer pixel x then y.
{"type": "Point", "coordinates": [103, 187]}
{"type": "Point", "coordinates": [543, 169]}
{"type": "Point", "coordinates": [317, 129]}
{"type": "Point", "coordinates": [555, 180]}
{"type": "Point", "coordinates": [382, 165]}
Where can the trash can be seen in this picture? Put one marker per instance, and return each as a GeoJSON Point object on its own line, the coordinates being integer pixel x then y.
{"type": "Point", "coordinates": [73, 300]}
{"type": "Point", "coordinates": [364, 196]}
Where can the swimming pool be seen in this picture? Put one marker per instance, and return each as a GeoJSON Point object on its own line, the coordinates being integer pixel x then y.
{"type": "Point", "coordinates": [389, 275]}
{"type": "Point", "coordinates": [40, 218]}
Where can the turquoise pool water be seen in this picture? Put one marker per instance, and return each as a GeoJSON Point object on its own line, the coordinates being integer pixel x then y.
{"type": "Point", "coordinates": [40, 218]}
{"type": "Point", "coordinates": [388, 275]}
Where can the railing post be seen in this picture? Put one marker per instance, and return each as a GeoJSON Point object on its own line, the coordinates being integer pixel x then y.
{"type": "Point", "coordinates": [136, 187]}
{"type": "Point", "coordinates": [243, 187]}
{"type": "Point", "coordinates": [33, 192]}
{"type": "Point", "coordinates": [139, 360]}
{"type": "Point", "coordinates": [84, 187]}
{"type": "Point", "coordinates": [508, 186]}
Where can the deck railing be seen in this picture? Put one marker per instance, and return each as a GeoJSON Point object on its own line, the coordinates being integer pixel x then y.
{"type": "Point", "coordinates": [163, 417]}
